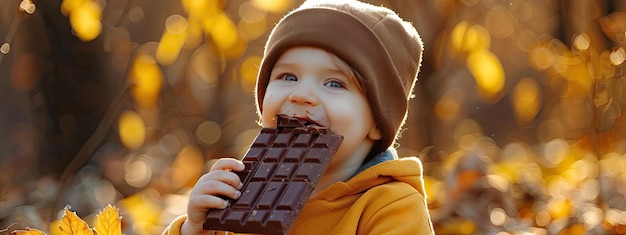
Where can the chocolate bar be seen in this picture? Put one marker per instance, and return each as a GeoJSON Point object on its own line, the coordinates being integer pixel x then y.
{"type": "Point", "coordinates": [282, 167]}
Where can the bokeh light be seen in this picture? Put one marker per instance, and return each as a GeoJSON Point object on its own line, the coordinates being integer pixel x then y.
{"type": "Point", "coordinates": [249, 70]}
{"type": "Point", "coordinates": [500, 22]}
{"type": "Point", "coordinates": [488, 73]}
{"type": "Point", "coordinates": [85, 19]}
{"type": "Point", "coordinates": [276, 6]}
{"type": "Point", "coordinates": [223, 32]}
{"type": "Point", "coordinates": [253, 22]}
{"type": "Point", "coordinates": [138, 171]}
{"type": "Point", "coordinates": [147, 81]}
{"type": "Point", "coordinates": [132, 130]}
{"type": "Point", "coordinates": [526, 100]}
{"type": "Point", "coordinates": [172, 40]}
{"type": "Point", "coordinates": [449, 106]}
{"type": "Point", "coordinates": [187, 167]}
{"type": "Point", "coordinates": [5, 48]}
{"type": "Point", "coordinates": [208, 132]}
{"type": "Point", "coordinates": [136, 14]}
{"type": "Point", "coordinates": [467, 37]}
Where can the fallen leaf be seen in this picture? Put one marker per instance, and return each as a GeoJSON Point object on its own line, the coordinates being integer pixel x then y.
{"type": "Point", "coordinates": [71, 224]}
{"type": "Point", "coordinates": [108, 222]}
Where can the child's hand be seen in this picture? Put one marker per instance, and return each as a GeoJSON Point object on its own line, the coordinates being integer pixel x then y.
{"type": "Point", "coordinates": [205, 195]}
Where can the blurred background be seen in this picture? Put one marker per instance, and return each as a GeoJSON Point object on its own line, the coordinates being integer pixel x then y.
{"type": "Point", "coordinates": [517, 113]}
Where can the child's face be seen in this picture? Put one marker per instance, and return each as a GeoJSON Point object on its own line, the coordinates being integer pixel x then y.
{"type": "Point", "coordinates": [307, 83]}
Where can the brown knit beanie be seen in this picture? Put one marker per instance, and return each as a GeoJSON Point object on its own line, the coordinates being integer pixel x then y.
{"type": "Point", "coordinates": [385, 50]}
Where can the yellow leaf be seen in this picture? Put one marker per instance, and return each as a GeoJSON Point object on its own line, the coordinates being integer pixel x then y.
{"type": "Point", "coordinates": [108, 222]}
{"type": "Point", "coordinates": [541, 57]}
{"type": "Point", "coordinates": [71, 224]}
{"type": "Point", "coordinates": [28, 231]}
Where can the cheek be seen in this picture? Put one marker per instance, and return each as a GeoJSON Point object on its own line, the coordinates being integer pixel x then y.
{"type": "Point", "coordinates": [271, 107]}
{"type": "Point", "coordinates": [354, 118]}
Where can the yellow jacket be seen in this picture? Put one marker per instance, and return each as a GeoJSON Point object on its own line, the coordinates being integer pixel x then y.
{"type": "Point", "coordinates": [386, 198]}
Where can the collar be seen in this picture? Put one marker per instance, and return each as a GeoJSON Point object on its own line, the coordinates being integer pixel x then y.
{"type": "Point", "coordinates": [387, 155]}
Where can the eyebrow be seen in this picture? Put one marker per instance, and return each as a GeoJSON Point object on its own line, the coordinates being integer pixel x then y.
{"type": "Point", "coordinates": [285, 64]}
{"type": "Point", "coordinates": [295, 65]}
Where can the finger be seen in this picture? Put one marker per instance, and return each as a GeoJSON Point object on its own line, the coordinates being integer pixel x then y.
{"type": "Point", "coordinates": [228, 164]}
{"type": "Point", "coordinates": [205, 202]}
{"type": "Point", "coordinates": [227, 177]}
{"type": "Point", "coordinates": [218, 188]}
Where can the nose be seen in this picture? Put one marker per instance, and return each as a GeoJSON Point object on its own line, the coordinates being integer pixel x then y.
{"type": "Point", "coordinates": [304, 94]}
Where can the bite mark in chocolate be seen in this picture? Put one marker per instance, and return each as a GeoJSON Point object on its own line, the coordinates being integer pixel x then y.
{"type": "Point", "coordinates": [282, 167]}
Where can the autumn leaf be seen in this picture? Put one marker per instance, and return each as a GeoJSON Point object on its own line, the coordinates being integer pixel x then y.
{"type": "Point", "coordinates": [28, 231]}
{"type": "Point", "coordinates": [108, 222]}
{"type": "Point", "coordinates": [71, 224]}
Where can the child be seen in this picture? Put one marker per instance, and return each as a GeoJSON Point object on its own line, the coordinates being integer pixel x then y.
{"type": "Point", "coordinates": [349, 66]}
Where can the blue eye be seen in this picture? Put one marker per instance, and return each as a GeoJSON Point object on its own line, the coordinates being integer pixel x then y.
{"type": "Point", "coordinates": [334, 84]}
{"type": "Point", "coordinates": [288, 77]}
